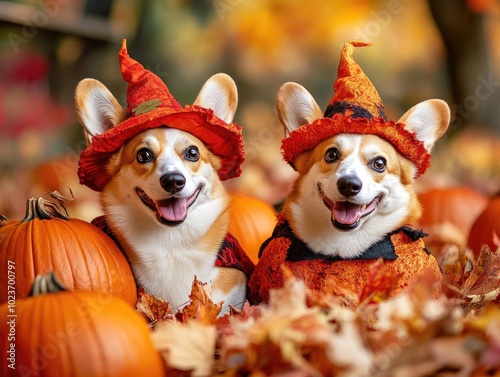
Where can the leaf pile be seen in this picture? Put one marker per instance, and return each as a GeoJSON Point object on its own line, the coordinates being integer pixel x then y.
{"type": "Point", "coordinates": [303, 333]}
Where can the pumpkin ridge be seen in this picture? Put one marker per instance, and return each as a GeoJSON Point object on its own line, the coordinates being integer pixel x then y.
{"type": "Point", "coordinates": [54, 258]}
{"type": "Point", "coordinates": [68, 361]}
{"type": "Point", "coordinates": [40, 308]}
{"type": "Point", "coordinates": [68, 264]}
{"type": "Point", "coordinates": [87, 258]}
{"type": "Point", "coordinates": [117, 266]}
{"type": "Point", "coordinates": [83, 253]}
{"type": "Point", "coordinates": [112, 259]}
{"type": "Point", "coordinates": [27, 321]}
{"type": "Point", "coordinates": [107, 261]}
{"type": "Point", "coordinates": [7, 241]}
{"type": "Point", "coordinates": [101, 348]}
{"type": "Point", "coordinates": [31, 227]}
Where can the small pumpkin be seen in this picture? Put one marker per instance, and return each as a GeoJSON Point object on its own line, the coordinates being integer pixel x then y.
{"type": "Point", "coordinates": [252, 221]}
{"type": "Point", "coordinates": [486, 228]}
{"type": "Point", "coordinates": [448, 214]}
{"type": "Point", "coordinates": [84, 257]}
{"type": "Point", "coordinates": [58, 333]}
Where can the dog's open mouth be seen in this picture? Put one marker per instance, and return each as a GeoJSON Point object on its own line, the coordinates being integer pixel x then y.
{"type": "Point", "coordinates": [346, 215]}
{"type": "Point", "coordinates": [170, 211]}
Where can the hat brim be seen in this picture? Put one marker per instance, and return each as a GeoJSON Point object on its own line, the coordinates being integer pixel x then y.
{"type": "Point", "coordinates": [308, 136]}
{"type": "Point", "coordinates": [223, 139]}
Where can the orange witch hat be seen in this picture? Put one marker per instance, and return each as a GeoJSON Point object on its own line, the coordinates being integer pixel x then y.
{"type": "Point", "coordinates": [150, 105]}
{"type": "Point", "coordinates": [355, 108]}
{"type": "Point", "coordinates": [355, 94]}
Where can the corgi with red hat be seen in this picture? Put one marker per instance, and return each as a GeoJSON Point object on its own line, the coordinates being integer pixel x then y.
{"type": "Point", "coordinates": [159, 169]}
{"type": "Point", "coordinates": [353, 202]}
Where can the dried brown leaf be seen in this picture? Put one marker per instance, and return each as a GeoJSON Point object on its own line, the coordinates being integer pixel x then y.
{"type": "Point", "coordinates": [186, 346]}
{"type": "Point", "coordinates": [154, 309]}
{"type": "Point", "coordinates": [379, 284]}
{"type": "Point", "coordinates": [334, 295]}
{"type": "Point", "coordinates": [485, 276]}
{"type": "Point", "coordinates": [201, 306]}
{"type": "Point", "coordinates": [430, 358]}
{"type": "Point", "coordinates": [455, 268]}
{"type": "Point", "coordinates": [289, 300]}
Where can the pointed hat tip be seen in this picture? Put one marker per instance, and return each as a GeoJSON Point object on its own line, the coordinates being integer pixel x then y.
{"type": "Point", "coordinates": [129, 67]}
{"type": "Point", "coordinates": [348, 50]}
{"type": "Point", "coordinates": [352, 85]}
{"type": "Point", "coordinates": [357, 43]}
{"type": "Point", "coordinates": [123, 50]}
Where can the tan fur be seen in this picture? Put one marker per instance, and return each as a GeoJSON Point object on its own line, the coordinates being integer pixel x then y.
{"type": "Point", "coordinates": [227, 279]}
{"type": "Point", "coordinates": [214, 237]}
{"type": "Point", "coordinates": [210, 96]}
{"type": "Point", "coordinates": [110, 115]}
{"type": "Point", "coordinates": [229, 87]}
{"type": "Point", "coordinates": [303, 110]}
{"type": "Point", "coordinates": [417, 119]}
{"type": "Point", "coordinates": [130, 149]}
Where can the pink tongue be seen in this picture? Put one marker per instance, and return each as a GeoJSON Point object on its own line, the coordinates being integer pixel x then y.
{"type": "Point", "coordinates": [174, 209]}
{"type": "Point", "coordinates": [346, 213]}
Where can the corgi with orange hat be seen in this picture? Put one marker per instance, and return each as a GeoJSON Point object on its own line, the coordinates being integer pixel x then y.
{"type": "Point", "coordinates": [159, 169]}
{"type": "Point", "coordinates": [354, 201]}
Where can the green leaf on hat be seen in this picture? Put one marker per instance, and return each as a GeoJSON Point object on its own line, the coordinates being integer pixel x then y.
{"type": "Point", "coordinates": [146, 107]}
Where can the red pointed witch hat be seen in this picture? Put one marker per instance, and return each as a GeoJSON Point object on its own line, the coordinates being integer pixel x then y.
{"type": "Point", "coordinates": [150, 105]}
{"type": "Point", "coordinates": [356, 108]}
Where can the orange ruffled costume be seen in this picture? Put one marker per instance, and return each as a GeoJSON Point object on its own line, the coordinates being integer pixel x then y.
{"type": "Point", "coordinates": [404, 252]}
{"type": "Point", "coordinates": [355, 108]}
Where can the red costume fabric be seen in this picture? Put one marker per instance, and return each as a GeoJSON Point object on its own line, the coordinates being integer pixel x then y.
{"type": "Point", "coordinates": [403, 251]}
{"type": "Point", "coordinates": [150, 105]}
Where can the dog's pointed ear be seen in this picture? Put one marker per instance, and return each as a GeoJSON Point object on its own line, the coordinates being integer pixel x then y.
{"type": "Point", "coordinates": [296, 106]}
{"type": "Point", "coordinates": [429, 120]}
{"type": "Point", "coordinates": [96, 108]}
{"type": "Point", "coordinates": [219, 93]}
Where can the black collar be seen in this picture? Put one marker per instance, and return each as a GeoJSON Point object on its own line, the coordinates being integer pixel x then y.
{"type": "Point", "coordinates": [299, 251]}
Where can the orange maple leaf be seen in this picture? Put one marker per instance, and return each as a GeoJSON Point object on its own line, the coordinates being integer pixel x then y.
{"type": "Point", "coordinates": [379, 284]}
{"type": "Point", "coordinates": [154, 309]}
{"type": "Point", "coordinates": [201, 306]}
{"type": "Point", "coordinates": [456, 267]}
{"type": "Point", "coordinates": [485, 276]}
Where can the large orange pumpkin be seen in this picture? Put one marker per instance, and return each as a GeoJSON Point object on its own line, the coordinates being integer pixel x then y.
{"type": "Point", "coordinates": [84, 257]}
{"type": "Point", "coordinates": [486, 228]}
{"type": "Point", "coordinates": [448, 214]}
{"type": "Point", "coordinates": [252, 222]}
{"type": "Point", "coordinates": [77, 334]}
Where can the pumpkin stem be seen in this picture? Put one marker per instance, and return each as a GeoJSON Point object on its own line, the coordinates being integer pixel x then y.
{"type": "Point", "coordinates": [48, 283]}
{"type": "Point", "coordinates": [43, 210]}
{"type": "Point", "coordinates": [62, 199]}
{"type": "Point", "coordinates": [3, 220]}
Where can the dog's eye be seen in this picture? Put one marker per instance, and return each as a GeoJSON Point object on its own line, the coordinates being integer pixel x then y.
{"type": "Point", "coordinates": [378, 164]}
{"type": "Point", "coordinates": [332, 155]}
{"type": "Point", "coordinates": [144, 155]}
{"type": "Point", "coordinates": [192, 154]}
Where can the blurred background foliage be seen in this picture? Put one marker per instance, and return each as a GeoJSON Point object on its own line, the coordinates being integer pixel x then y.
{"type": "Point", "coordinates": [448, 49]}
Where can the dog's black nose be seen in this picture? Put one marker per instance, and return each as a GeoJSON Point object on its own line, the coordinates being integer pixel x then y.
{"type": "Point", "coordinates": [173, 182]}
{"type": "Point", "coordinates": [349, 185]}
